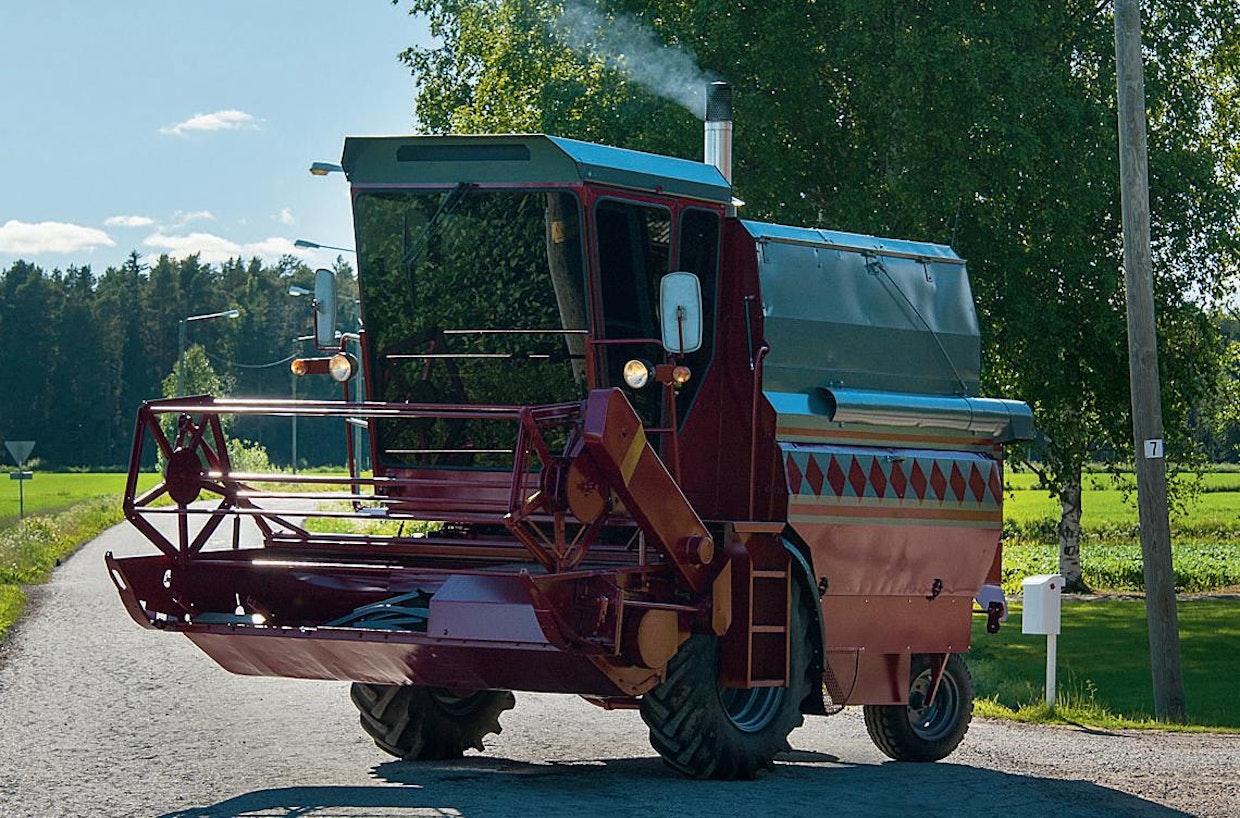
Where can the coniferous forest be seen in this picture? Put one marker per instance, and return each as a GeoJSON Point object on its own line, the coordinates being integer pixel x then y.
{"type": "Point", "coordinates": [84, 348]}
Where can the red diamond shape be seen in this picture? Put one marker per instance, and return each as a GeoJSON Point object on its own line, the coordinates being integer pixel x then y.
{"type": "Point", "coordinates": [795, 478]}
{"type": "Point", "coordinates": [898, 481]}
{"type": "Point", "coordinates": [814, 475]}
{"type": "Point", "coordinates": [976, 484]}
{"type": "Point", "coordinates": [877, 479]}
{"type": "Point", "coordinates": [996, 482]}
{"type": "Point", "coordinates": [958, 483]}
{"type": "Point", "coordinates": [856, 478]}
{"type": "Point", "coordinates": [938, 482]}
{"type": "Point", "coordinates": [835, 476]}
{"type": "Point", "coordinates": [918, 481]}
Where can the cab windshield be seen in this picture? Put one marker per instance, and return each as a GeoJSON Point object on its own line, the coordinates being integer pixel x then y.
{"type": "Point", "coordinates": [470, 297]}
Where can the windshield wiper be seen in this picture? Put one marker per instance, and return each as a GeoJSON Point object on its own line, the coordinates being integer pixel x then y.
{"type": "Point", "coordinates": [434, 224]}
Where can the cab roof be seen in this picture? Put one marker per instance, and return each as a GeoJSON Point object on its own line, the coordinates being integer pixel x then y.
{"type": "Point", "coordinates": [524, 159]}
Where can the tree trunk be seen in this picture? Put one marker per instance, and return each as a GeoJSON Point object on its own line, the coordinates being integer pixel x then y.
{"type": "Point", "coordinates": [1069, 531]}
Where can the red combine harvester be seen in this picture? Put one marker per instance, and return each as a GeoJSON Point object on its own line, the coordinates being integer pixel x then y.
{"type": "Point", "coordinates": [625, 445]}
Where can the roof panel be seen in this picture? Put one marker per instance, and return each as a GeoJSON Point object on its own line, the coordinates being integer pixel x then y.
{"type": "Point", "coordinates": [525, 159]}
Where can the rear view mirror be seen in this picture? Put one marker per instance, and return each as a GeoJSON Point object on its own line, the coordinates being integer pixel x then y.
{"type": "Point", "coordinates": [680, 312]}
{"type": "Point", "coordinates": [325, 309]}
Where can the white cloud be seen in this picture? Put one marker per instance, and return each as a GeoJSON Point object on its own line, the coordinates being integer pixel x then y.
{"type": "Point", "coordinates": [182, 218]}
{"type": "Point", "coordinates": [128, 221]}
{"type": "Point", "coordinates": [286, 216]}
{"type": "Point", "coordinates": [216, 249]}
{"type": "Point", "coordinates": [228, 120]}
{"type": "Point", "coordinates": [23, 238]}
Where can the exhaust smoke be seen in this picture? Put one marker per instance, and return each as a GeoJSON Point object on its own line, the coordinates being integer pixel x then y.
{"type": "Point", "coordinates": [628, 46]}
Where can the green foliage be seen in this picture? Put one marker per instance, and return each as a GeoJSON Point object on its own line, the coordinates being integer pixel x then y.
{"type": "Point", "coordinates": [30, 549]}
{"type": "Point", "coordinates": [12, 601]}
{"type": "Point", "coordinates": [248, 456]}
{"type": "Point", "coordinates": [94, 346]}
{"type": "Point", "coordinates": [989, 127]}
{"type": "Point", "coordinates": [1198, 567]}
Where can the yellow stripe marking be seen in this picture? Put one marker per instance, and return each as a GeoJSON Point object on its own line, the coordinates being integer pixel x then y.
{"type": "Point", "coordinates": [629, 464]}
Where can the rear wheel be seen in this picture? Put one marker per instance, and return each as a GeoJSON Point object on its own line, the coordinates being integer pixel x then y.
{"type": "Point", "coordinates": [704, 730]}
{"type": "Point", "coordinates": [920, 732]}
{"type": "Point", "coordinates": [428, 723]}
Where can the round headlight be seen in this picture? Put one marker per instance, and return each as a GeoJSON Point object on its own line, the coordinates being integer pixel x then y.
{"type": "Point", "coordinates": [637, 373]}
{"type": "Point", "coordinates": [681, 375]}
{"type": "Point", "coordinates": [342, 366]}
{"type": "Point", "coordinates": [299, 366]}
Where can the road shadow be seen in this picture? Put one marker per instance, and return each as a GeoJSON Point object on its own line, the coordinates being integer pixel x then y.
{"type": "Point", "coordinates": [803, 783]}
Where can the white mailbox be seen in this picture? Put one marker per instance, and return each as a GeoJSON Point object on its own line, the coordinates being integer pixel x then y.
{"type": "Point", "coordinates": [1041, 604]}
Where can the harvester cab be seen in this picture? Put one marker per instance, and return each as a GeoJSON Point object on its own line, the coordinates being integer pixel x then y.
{"type": "Point", "coordinates": [625, 445]}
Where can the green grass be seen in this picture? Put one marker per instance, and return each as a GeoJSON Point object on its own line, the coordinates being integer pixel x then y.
{"type": "Point", "coordinates": [12, 601]}
{"type": "Point", "coordinates": [1109, 512]}
{"type": "Point", "coordinates": [75, 509]}
{"type": "Point", "coordinates": [49, 492]}
{"type": "Point", "coordinates": [1104, 676]}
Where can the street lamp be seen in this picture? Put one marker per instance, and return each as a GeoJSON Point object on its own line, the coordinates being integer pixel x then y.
{"type": "Point", "coordinates": [324, 168]}
{"type": "Point", "coordinates": [297, 292]}
{"type": "Point", "coordinates": [311, 245]}
{"type": "Point", "coordinates": [181, 340]}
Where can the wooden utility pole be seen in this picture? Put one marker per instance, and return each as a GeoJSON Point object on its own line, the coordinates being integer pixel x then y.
{"type": "Point", "coordinates": [1147, 425]}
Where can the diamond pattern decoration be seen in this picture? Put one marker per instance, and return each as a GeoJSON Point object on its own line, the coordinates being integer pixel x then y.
{"type": "Point", "coordinates": [996, 485]}
{"type": "Point", "coordinates": [898, 481]}
{"type": "Point", "coordinates": [962, 479]}
{"type": "Point", "coordinates": [938, 482]}
{"type": "Point", "coordinates": [878, 479]}
{"type": "Point", "coordinates": [918, 481]}
{"type": "Point", "coordinates": [976, 484]}
{"type": "Point", "coordinates": [835, 476]}
{"type": "Point", "coordinates": [794, 475]}
{"type": "Point", "coordinates": [857, 478]}
{"type": "Point", "coordinates": [957, 483]}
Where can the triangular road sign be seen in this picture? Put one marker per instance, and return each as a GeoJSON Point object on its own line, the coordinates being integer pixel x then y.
{"type": "Point", "coordinates": [20, 449]}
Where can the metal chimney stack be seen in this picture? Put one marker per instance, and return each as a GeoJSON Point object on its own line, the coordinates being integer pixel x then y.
{"type": "Point", "coordinates": [719, 127]}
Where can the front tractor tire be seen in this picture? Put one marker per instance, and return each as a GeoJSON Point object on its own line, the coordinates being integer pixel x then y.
{"type": "Point", "coordinates": [428, 723]}
{"type": "Point", "coordinates": [918, 732]}
{"type": "Point", "coordinates": [704, 730]}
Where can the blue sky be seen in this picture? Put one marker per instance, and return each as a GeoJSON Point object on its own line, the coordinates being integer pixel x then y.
{"type": "Point", "coordinates": [178, 127]}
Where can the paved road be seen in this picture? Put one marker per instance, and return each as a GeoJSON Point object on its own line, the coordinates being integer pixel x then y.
{"type": "Point", "coordinates": [99, 717]}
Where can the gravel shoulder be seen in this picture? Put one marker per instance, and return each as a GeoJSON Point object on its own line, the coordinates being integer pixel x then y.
{"type": "Point", "coordinates": [99, 717]}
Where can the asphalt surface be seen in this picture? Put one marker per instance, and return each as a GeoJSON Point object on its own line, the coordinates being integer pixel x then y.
{"type": "Point", "coordinates": [99, 717]}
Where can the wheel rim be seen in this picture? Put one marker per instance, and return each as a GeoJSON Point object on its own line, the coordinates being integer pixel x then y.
{"type": "Point", "coordinates": [751, 710]}
{"type": "Point", "coordinates": [936, 721]}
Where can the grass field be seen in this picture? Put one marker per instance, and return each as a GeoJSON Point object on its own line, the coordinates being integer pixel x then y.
{"type": "Point", "coordinates": [1205, 534]}
{"type": "Point", "coordinates": [54, 491]}
{"type": "Point", "coordinates": [1104, 670]}
{"type": "Point", "coordinates": [1108, 508]}
{"type": "Point", "coordinates": [63, 511]}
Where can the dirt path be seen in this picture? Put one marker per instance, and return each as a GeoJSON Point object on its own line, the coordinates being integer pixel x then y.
{"type": "Point", "coordinates": [99, 717]}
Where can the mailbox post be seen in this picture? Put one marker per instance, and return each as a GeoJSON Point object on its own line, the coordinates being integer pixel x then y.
{"type": "Point", "coordinates": [1041, 616]}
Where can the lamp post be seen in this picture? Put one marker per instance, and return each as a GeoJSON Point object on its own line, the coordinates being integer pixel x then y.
{"type": "Point", "coordinates": [313, 245]}
{"type": "Point", "coordinates": [324, 168]}
{"type": "Point", "coordinates": [296, 292]}
{"type": "Point", "coordinates": [181, 340]}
